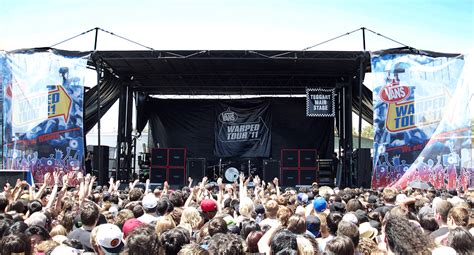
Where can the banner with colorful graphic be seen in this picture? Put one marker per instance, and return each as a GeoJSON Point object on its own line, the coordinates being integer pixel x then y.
{"type": "Point", "coordinates": [422, 120]}
{"type": "Point", "coordinates": [43, 111]}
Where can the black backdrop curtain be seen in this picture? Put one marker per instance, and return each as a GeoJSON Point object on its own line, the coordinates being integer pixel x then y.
{"type": "Point", "coordinates": [190, 123]}
{"type": "Point", "coordinates": [109, 93]}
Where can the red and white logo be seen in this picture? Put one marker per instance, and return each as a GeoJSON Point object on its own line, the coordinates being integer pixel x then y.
{"type": "Point", "coordinates": [394, 92]}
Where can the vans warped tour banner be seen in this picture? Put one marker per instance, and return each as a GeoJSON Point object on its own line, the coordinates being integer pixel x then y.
{"type": "Point", "coordinates": [243, 129]}
{"type": "Point", "coordinates": [422, 120]}
{"type": "Point", "coordinates": [43, 111]}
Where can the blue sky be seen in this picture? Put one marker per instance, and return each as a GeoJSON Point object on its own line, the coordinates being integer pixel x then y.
{"type": "Point", "coordinates": [440, 25]}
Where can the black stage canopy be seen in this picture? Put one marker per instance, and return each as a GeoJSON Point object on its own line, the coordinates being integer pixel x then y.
{"type": "Point", "coordinates": [239, 72]}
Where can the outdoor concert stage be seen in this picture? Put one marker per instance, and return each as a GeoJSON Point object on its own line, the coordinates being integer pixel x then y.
{"type": "Point", "coordinates": [268, 134]}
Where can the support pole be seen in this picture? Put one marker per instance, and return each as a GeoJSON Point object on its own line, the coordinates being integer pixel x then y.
{"type": "Point", "coordinates": [99, 76]}
{"type": "Point", "coordinates": [361, 74]}
{"type": "Point", "coordinates": [347, 132]}
{"type": "Point", "coordinates": [96, 35]}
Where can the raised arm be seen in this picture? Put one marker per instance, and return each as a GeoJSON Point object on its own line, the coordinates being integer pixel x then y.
{"type": "Point", "coordinates": [54, 191]}
{"type": "Point", "coordinates": [46, 178]}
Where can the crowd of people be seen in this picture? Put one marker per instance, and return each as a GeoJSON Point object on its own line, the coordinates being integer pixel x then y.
{"type": "Point", "coordinates": [245, 217]}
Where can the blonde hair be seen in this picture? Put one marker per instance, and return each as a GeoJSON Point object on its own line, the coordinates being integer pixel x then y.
{"type": "Point", "coordinates": [283, 215]}
{"type": "Point", "coordinates": [246, 207]}
{"type": "Point", "coordinates": [163, 224]}
{"type": "Point", "coordinates": [192, 217]}
{"type": "Point", "coordinates": [271, 208]}
{"type": "Point", "coordinates": [305, 247]}
{"type": "Point", "coordinates": [46, 246]}
{"type": "Point", "coordinates": [93, 239]}
{"type": "Point", "coordinates": [58, 230]}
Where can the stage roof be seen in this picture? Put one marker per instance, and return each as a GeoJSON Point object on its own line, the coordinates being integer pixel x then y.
{"type": "Point", "coordinates": [233, 72]}
{"type": "Point", "coordinates": [239, 72]}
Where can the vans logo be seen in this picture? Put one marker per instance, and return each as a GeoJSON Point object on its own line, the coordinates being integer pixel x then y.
{"type": "Point", "coordinates": [394, 92]}
{"type": "Point", "coordinates": [228, 116]}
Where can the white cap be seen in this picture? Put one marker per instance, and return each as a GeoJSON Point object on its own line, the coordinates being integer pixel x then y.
{"type": "Point", "coordinates": [110, 238]}
{"type": "Point", "coordinates": [36, 219]}
{"type": "Point", "coordinates": [350, 217]}
{"type": "Point", "coordinates": [400, 198]}
{"type": "Point", "coordinates": [443, 250]}
{"type": "Point", "coordinates": [65, 250]}
{"type": "Point", "coordinates": [149, 201]}
{"type": "Point", "coordinates": [455, 200]}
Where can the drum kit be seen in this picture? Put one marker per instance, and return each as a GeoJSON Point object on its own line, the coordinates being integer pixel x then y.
{"type": "Point", "coordinates": [229, 170]}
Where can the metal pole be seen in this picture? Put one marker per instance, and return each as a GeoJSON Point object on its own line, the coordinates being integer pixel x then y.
{"type": "Point", "coordinates": [363, 37]}
{"type": "Point", "coordinates": [98, 121]}
{"type": "Point", "coordinates": [96, 35]}
{"type": "Point", "coordinates": [361, 70]}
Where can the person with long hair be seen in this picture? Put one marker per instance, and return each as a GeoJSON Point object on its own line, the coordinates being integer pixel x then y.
{"type": "Point", "coordinates": [461, 240]}
{"type": "Point", "coordinates": [404, 237]}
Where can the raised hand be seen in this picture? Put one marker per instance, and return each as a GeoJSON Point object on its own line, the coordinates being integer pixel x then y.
{"type": "Point", "coordinates": [241, 177]}
{"type": "Point", "coordinates": [65, 180]}
{"type": "Point", "coordinates": [275, 181]}
{"type": "Point", "coordinates": [56, 177]}
{"type": "Point", "coordinates": [46, 178]}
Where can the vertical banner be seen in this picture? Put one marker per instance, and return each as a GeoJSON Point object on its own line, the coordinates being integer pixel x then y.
{"type": "Point", "coordinates": [320, 102]}
{"type": "Point", "coordinates": [43, 111]}
{"type": "Point", "coordinates": [243, 129]}
{"type": "Point", "coordinates": [422, 120]}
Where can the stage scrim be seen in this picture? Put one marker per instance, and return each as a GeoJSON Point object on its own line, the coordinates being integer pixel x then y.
{"type": "Point", "coordinates": [196, 123]}
{"type": "Point", "coordinates": [43, 110]}
{"type": "Point", "coordinates": [422, 119]}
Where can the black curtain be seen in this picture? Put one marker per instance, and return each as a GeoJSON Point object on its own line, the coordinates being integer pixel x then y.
{"type": "Point", "coordinates": [190, 124]}
{"type": "Point", "coordinates": [109, 93]}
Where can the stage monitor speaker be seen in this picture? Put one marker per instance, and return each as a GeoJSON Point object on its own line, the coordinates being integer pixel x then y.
{"type": "Point", "coordinates": [289, 178]}
{"type": "Point", "coordinates": [307, 177]}
{"type": "Point", "coordinates": [308, 158]}
{"type": "Point", "coordinates": [195, 168]}
{"type": "Point", "coordinates": [158, 175]}
{"type": "Point", "coordinates": [159, 157]}
{"type": "Point", "coordinates": [103, 175]}
{"type": "Point", "coordinates": [177, 157]}
{"type": "Point", "coordinates": [363, 167]}
{"type": "Point", "coordinates": [176, 176]}
{"type": "Point", "coordinates": [11, 176]}
{"type": "Point", "coordinates": [289, 158]}
{"type": "Point", "coordinates": [271, 169]}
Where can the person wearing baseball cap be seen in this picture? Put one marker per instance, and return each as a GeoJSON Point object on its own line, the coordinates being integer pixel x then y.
{"type": "Point", "coordinates": [110, 239]}
{"type": "Point", "coordinates": [319, 204]}
{"type": "Point", "coordinates": [208, 208]}
{"type": "Point", "coordinates": [149, 204]}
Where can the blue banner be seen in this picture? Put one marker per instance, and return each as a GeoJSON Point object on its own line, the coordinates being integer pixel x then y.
{"type": "Point", "coordinates": [43, 111]}
{"type": "Point", "coordinates": [422, 120]}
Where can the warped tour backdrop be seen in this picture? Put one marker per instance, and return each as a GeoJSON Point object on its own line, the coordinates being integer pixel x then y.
{"type": "Point", "coordinates": [422, 120]}
{"type": "Point", "coordinates": [236, 128]}
{"type": "Point", "coordinates": [43, 110]}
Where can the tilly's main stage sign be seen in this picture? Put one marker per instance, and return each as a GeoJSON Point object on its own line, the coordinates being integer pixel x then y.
{"type": "Point", "coordinates": [43, 111]}
{"type": "Point", "coordinates": [422, 120]}
{"type": "Point", "coordinates": [243, 129]}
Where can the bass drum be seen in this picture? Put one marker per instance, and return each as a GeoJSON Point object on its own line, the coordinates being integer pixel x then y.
{"type": "Point", "coordinates": [231, 174]}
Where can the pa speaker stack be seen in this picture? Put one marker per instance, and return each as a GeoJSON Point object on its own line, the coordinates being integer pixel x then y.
{"type": "Point", "coordinates": [298, 167]}
{"type": "Point", "coordinates": [363, 167]}
{"type": "Point", "coordinates": [168, 164]}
